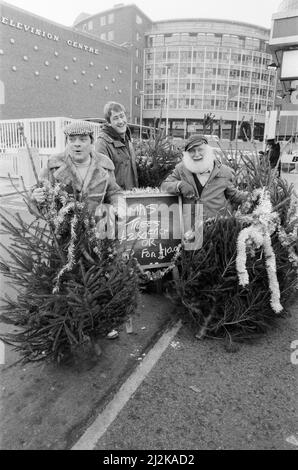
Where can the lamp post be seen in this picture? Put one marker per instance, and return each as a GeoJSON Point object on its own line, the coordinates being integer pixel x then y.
{"type": "Point", "coordinates": [141, 113]}
{"type": "Point", "coordinates": [129, 45]}
{"type": "Point", "coordinates": [168, 97]}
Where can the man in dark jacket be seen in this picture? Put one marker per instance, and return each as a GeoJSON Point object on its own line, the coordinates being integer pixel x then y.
{"type": "Point", "coordinates": [273, 152]}
{"type": "Point", "coordinates": [114, 141]}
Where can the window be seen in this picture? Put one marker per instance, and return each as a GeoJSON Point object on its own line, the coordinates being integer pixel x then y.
{"type": "Point", "coordinates": [191, 70]}
{"type": "Point", "coordinates": [84, 27]}
{"type": "Point", "coordinates": [110, 35]}
{"type": "Point", "coordinates": [90, 25]}
{"type": "Point", "coordinates": [102, 21]}
{"type": "Point", "coordinates": [192, 86]}
{"type": "Point", "coordinates": [103, 36]}
{"type": "Point", "coordinates": [137, 100]}
{"type": "Point", "coordinates": [111, 18]}
{"type": "Point", "coordinates": [137, 69]}
{"type": "Point", "coordinates": [139, 19]}
{"type": "Point", "coordinates": [137, 84]}
{"type": "Point", "coordinates": [138, 36]}
{"type": "Point", "coordinates": [150, 42]}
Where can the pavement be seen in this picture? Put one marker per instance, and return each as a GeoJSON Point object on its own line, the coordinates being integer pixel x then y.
{"type": "Point", "coordinates": [44, 406]}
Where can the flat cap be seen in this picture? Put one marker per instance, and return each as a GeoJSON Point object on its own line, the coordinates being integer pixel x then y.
{"type": "Point", "coordinates": [78, 128]}
{"type": "Point", "coordinates": [194, 140]}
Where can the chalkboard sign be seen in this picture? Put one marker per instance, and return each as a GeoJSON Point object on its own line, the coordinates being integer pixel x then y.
{"type": "Point", "coordinates": [152, 228]}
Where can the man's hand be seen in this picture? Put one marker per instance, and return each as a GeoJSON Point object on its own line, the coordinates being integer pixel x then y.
{"type": "Point", "coordinates": [186, 189]}
{"type": "Point", "coordinates": [39, 195]}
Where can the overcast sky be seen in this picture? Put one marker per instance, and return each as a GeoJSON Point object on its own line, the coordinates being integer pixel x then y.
{"type": "Point", "coordinates": [257, 12]}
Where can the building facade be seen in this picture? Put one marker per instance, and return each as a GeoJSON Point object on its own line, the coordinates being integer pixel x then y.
{"type": "Point", "coordinates": [198, 67]}
{"type": "Point", "coordinates": [51, 70]}
{"type": "Point", "coordinates": [284, 47]}
{"type": "Point", "coordinates": [191, 69]}
{"type": "Point", "coordinates": [192, 75]}
{"type": "Point", "coordinates": [125, 25]}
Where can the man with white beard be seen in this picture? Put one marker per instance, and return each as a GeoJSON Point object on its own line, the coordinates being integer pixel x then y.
{"type": "Point", "coordinates": [201, 178]}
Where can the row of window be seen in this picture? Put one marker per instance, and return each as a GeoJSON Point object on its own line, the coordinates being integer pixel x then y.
{"type": "Point", "coordinates": [201, 56]}
{"type": "Point", "coordinates": [107, 19]}
{"type": "Point", "coordinates": [185, 72]}
{"type": "Point", "coordinates": [217, 39]}
{"type": "Point", "coordinates": [186, 103]}
{"type": "Point", "coordinates": [108, 36]}
{"type": "Point", "coordinates": [200, 87]}
{"type": "Point", "coordinates": [259, 94]}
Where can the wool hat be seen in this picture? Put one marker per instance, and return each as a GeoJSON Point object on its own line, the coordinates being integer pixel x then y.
{"type": "Point", "coordinates": [79, 128]}
{"type": "Point", "coordinates": [194, 140]}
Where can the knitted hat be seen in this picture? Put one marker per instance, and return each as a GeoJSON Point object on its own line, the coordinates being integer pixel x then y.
{"type": "Point", "coordinates": [194, 140]}
{"type": "Point", "coordinates": [79, 128]}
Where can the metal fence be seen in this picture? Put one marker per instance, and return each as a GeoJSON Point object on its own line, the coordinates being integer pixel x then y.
{"type": "Point", "coordinates": [45, 134]}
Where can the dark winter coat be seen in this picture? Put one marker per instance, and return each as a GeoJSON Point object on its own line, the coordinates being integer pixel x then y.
{"type": "Point", "coordinates": [99, 186]}
{"type": "Point", "coordinates": [273, 154]}
{"type": "Point", "coordinates": [122, 154]}
{"type": "Point", "coordinates": [216, 193]}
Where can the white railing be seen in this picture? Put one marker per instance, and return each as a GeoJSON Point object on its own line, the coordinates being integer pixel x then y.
{"type": "Point", "coordinates": [44, 134]}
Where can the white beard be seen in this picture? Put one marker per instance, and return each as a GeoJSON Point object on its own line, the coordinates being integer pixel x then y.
{"type": "Point", "coordinates": [198, 166]}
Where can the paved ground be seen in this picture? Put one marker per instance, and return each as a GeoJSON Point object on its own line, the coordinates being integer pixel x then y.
{"type": "Point", "coordinates": [201, 397]}
{"type": "Point", "coordinates": [46, 407]}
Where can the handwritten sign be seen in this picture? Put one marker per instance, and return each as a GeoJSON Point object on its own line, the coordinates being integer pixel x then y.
{"type": "Point", "coordinates": [152, 228]}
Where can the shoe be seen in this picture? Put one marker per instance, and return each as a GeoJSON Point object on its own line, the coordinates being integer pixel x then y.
{"type": "Point", "coordinates": [113, 334]}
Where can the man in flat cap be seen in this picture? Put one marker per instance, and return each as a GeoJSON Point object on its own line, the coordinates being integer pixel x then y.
{"type": "Point", "coordinates": [80, 168]}
{"type": "Point", "coordinates": [201, 178]}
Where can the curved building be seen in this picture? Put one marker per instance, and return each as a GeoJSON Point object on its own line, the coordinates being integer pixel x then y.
{"type": "Point", "coordinates": [182, 70]}
{"type": "Point", "coordinates": [176, 71]}
{"type": "Point", "coordinates": [199, 66]}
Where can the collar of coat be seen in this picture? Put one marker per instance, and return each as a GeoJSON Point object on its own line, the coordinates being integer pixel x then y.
{"type": "Point", "coordinates": [65, 170]}
{"type": "Point", "coordinates": [110, 135]}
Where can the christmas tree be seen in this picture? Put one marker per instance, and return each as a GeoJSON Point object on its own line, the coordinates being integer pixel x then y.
{"type": "Point", "coordinates": [73, 284]}
{"type": "Point", "coordinates": [240, 282]}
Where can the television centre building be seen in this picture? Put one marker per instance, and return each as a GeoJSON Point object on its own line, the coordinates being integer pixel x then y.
{"type": "Point", "coordinates": [196, 75]}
